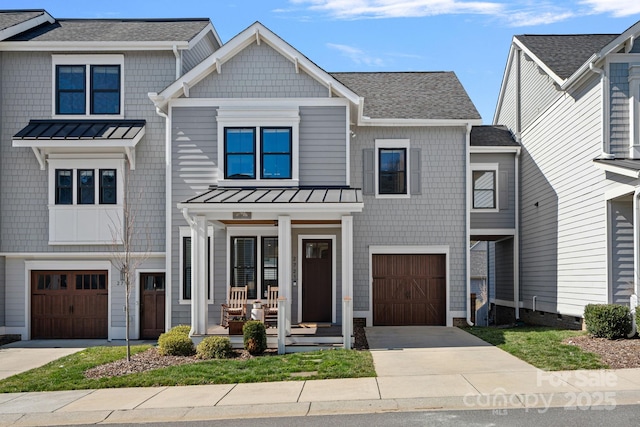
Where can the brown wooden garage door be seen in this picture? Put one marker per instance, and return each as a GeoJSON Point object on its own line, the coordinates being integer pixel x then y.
{"type": "Point", "coordinates": [69, 304]}
{"type": "Point", "coordinates": [409, 289]}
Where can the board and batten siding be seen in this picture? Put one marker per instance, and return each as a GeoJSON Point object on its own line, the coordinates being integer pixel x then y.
{"type": "Point", "coordinates": [619, 109]}
{"type": "Point", "coordinates": [504, 270]}
{"type": "Point", "coordinates": [505, 217]}
{"type": "Point", "coordinates": [258, 72]}
{"type": "Point", "coordinates": [563, 211]}
{"type": "Point", "coordinates": [506, 115]}
{"type": "Point", "coordinates": [195, 55]}
{"type": "Point", "coordinates": [538, 91]}
{"type": "Point", "coordinates": [621, 214]}
{"type": "Point", "coordinates": [434, 218]}
{"type": "Point", "coordinates": [323, 145]}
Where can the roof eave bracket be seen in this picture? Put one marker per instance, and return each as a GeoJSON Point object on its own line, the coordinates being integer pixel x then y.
{"type": "Point", "coordinates": [41, 157]}
{"type": "Point", "coordinates": [131, 156]}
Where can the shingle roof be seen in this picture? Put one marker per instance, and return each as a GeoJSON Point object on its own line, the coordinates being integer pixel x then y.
{"type": "Point", "coordinates": [492, 136]}
{"type": "Point", "coordinates": [411, 95]}
{"type": "Point", "coordinates": [10, 18]}
{"type": "Point", "coordinates": [564, 54]}
{"type": "Point", "coordinates": [116, 30]}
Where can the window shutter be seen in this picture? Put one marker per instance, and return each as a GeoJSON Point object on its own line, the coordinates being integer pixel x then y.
{"type": "Point", "coordinates": [503, 189]}
{"type": "Point", "coordinates": [369, 173]}
{"type": "Point", "coordinates": [415, 169]}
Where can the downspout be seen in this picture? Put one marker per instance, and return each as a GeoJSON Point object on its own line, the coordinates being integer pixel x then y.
{"type": "Point", "coordinates": [467, 150]}
{"type": "Point", "coordinates": [516, 239]}
{"type": "Point", "coordinates": [178, 56]}
{"type": "Point", "coordinates": [604, 154]}
{"type": "Point", "coordinates": [636, 253]}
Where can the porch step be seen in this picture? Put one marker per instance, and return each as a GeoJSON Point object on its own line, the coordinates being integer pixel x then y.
{"type": "Point", "coordinates": [301, 348]}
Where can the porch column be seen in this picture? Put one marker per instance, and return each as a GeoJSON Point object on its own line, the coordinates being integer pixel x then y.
{"type": "Point", "coordinates": [284, 268]}
{"type": "Point", "coordinates": [347, 280]}
{"type": "Point", "coordinates": [199, 307]}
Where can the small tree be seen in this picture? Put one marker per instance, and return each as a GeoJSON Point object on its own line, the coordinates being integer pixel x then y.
{"type": "Point", "coordinates": [125, 235]}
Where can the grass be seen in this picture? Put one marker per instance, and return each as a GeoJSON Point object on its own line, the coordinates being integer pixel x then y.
{"type": "Point", "coordinates": [67, 373]}
{"type": "Point", "coordinates": [540, 346]}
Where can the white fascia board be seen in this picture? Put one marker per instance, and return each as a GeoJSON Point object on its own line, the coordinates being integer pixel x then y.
{"type": "Point", "coordinates": [26, 25]}
{"type": "Point", "coordinates": [236, 45]}
{"type": "Point", "coordinates": [537, 60]}
{"type": "Point", "coordinates": [258, 103]}
{"type": "Point", "coordinates": [278, 208]}
{"type": "Point", "coordinates": [62, 143]}
{"type": "Point", "coordinates": [206, 30]}
{"type": "Point", "coordinates": [493, 231]}
{"type": "Point", "coordinates": [618, 170]}
{"type": "Point", "coordinates": [503, 85]}
{"type": "Point", "coordinates": [494, 149]}
{"type": "Point", "coordinates": [362, 121]}
{"type": "Point", "coordinates": [80, 46]}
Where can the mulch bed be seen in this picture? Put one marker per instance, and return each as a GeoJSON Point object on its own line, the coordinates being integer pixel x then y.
{"type": "Point", "coordinates": [618, 354]}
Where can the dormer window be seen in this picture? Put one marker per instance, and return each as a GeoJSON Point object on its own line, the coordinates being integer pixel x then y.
{"type": "Point", "coordinates": [88, 85]}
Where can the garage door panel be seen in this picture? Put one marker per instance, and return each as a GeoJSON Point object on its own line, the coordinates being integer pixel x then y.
{"type": "Point", "coordinates": [409, 289]}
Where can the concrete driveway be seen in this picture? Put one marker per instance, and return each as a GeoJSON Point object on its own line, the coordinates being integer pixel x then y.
{"type": "Point", "coordinates": [436, 350]}
{"type": "Point", "coordinates": [22, 356]}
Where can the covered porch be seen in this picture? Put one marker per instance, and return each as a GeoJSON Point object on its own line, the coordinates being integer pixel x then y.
{"type": "Point", "coordinates": [298, 239]}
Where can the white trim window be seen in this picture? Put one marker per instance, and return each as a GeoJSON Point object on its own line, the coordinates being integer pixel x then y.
{"type": "Point", "coordinates": [88, 86]}
{"type": "Point", "coordinates": [392, 168]}
{"type": "Point", "coordinates": [259, 147]}
{"type": "Point", "coordinates": [484, 190]}
{"type": "Point", "coordinates": [186, 272]}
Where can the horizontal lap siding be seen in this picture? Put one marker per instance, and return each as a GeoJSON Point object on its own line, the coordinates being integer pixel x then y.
{"type": "Point", "coordinates": [507, 113]}
{"type": "Point", "coordinates": [323, 157]}
{"type": "Point", "coordinates": [2, 290]}
{"type": "Point", "coordinates": [538, 91]}
{"type": "Point", "coordinates": [504, 270]}
{"type": "Point", "coordinates": [15, 292]}
{"type": "Point", "coordinates": [621, 251]}
{"type": "Point", "coordinates": [619, 109]}
{"type": "Point", "coordinates": [202, 49]}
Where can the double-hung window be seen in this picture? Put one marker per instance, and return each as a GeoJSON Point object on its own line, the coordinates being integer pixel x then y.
{"type": "Point", "coordinates": [391, 164]}
{"type": "Point", "coordinates": [64, 187]}
{"type": "Point", "coordinates": [276, 153]}
{"type": "Point", "coordinates": [240, 153]}
{"type": "Point", "coordinates": [187, 270]}
{"type": "Point", "coordinates": [88, 85]}
{"type": "Point", "coordinates": [253, 262]}
{"type": "Point", "coordinates": [85, 186]}
{"type": "Point", "coordinates": [270, 153]}
{"type": "Point", "coordinates": [484, 187]}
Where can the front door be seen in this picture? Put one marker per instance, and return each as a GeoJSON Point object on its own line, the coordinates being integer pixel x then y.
{"type": "Point", "coordinates": [152, 288]}
{"type": "Point", "coordinates": [316, 280]}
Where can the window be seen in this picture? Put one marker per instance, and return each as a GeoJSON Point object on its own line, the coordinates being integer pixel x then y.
{"type": "Point", "coordinates": [276, 153]}
{"type": "Point", "coordinates": [253, 261]}
{"type": "Point", "coordinates": [269, 262]}
{"type": "Point", "coordinates": [240, 153]}
{"type": "Point", "coordinates": [86, 187]}
{"type": "Point", "coordinates": [484, 187]}
{"type": "Point", "coordinates": [392, 175]}
{"type": "Point", "coordinates": [484, 190]}
{"type": "Point", "coordinates": [64, 187]}
{"type": "Point", "coordinates": [243, 264]}
{"type": "Point", "coordinates": [108, 190]}
{"type": "Point", "coordinates": [187, 269]}
{"type": "Point", "coordinates": [88, 85]}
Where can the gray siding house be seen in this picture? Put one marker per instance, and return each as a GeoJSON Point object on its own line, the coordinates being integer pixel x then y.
{"type": "Point", "coordinates": [356, 194]}
{"type": "Point", "coordinates": [573, 103]}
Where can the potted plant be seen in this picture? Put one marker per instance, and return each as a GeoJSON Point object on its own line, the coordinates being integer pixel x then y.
{"type": "Point", "coordinates": [257, 304]}
{"type": "Point", "coordinates": [235, 325]}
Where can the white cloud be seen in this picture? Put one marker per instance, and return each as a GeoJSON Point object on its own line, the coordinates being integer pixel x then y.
{"type": "Point", "coordinates": [356, 55]}
{"type": "Point", "coordinates": [354, 9]}
{"type": "Point", "coordinates": [617, 8]}
{"type": "Point", "coordinates": [529, 18]}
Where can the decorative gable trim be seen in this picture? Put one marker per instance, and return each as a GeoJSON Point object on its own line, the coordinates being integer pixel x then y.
{"type": "Point", "coordinates": [255, 33]}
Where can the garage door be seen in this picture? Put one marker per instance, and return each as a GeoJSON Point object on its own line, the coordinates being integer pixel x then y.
{"type": "Point", "coordinates": [409, 289]}
{"type": "Point", "coordinates": [69, 304]}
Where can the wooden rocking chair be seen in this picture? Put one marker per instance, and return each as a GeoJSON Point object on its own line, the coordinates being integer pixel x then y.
{"type": "Point", "coordinates": [271, 307]}
{"type": "Point", "coordinates": [236, 306]}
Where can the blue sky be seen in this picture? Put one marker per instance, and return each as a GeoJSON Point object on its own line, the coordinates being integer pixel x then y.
{"type": "Point", "coordinates": [471, 38]}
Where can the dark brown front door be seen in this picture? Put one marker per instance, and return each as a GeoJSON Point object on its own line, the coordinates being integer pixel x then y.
{"type": "Point", "coordinates": [69, 304]}
{"type": "Point", "coordinates": [409, 290]}
{"type": "Point", "coordinates": [316, 280]}
{"type": "Point", "coordinates": [152, 288]}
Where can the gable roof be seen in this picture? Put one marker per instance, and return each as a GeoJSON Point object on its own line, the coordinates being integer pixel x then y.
{"type": "Point", "coordinates": [564, 54]}
{"type": "Point", "coordinates": [492, 136]}
{"type": "Point", "coordinates": [13, 22]}
{"type": "Point", "coordinates": [411, 95]}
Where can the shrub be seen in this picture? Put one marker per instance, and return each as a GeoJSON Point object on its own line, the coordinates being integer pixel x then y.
{"type": "Point", "coordinates": [180, 329]}
{"type": "Point", "coordinates": [254, 337]}
{"type": "Point", "coordinates": [607, 320]}
{"type": "Point", "coordinates": [214, 348]}
{"type": "Point", "coordinates": [175, 344]}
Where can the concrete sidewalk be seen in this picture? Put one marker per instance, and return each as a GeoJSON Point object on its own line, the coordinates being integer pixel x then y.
{"type": "Point", "coordinates": [535, 390]}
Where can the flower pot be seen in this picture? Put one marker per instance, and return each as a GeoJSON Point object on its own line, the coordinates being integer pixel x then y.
{"type": "Point", "coordinates": [235, 327]}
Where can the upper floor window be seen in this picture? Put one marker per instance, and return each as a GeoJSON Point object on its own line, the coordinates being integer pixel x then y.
{"type": "Point", "coordinates": [88, 85]}
{"type": "Point", "coordinates": [484, 187]}
{"type": "Point", "coordinates": [276, 153]}
{"type": "Point", "coordinates": [392, 168]}
{"type": "Point", "coordinates": [241, 153]}
{"type": "Point", "coordinates": [85, 186]}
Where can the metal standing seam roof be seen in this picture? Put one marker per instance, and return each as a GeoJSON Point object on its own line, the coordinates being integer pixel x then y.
{"type": "Point", "coordinates": [492, 136]}
{"type": "Point", "coordinates": [278, 195]}
{"type": "Point", "coordinates": [81, 130]}
{"type": "Point", "coordinates": [115, 30]}
{"type": "Point", "coordinates": [565, 54]}
{"type": "Point", "coordinates": [10, 18]}
{"type": "Point", "coordinates": [411, 95]}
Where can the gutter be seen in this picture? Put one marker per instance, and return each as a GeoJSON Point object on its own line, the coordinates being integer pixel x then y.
{"type": "Point", "coordinates": [636, 253]}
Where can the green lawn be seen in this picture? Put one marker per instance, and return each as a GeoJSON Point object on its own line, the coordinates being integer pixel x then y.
{"type": "Point", "coordinates": [67, 373]}
{"type": "Point", "coordinates": [540, 346]}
